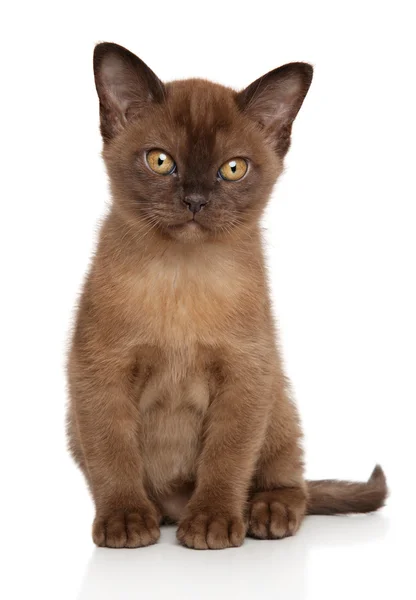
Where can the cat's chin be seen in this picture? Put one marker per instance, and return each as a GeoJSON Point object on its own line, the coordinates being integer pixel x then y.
{"type": "Point", "coordinates": [189, 232]}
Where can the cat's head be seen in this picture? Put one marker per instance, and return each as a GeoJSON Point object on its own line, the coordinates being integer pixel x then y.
{"type": "Point", "coordinates": [193, 160]}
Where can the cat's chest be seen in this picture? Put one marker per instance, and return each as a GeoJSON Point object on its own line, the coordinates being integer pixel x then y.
{"type": "Point", "coordinates": [184, 300]}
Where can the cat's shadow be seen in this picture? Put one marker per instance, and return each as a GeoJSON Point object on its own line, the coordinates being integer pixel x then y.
{"type": "Point", "coordinates": [252, 571]}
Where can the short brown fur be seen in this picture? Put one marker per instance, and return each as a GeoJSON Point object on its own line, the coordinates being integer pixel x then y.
{"type": "Point", "coordinates": [179, 407]}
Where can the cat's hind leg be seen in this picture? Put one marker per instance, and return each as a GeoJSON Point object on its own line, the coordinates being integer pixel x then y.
{"type": "Point", "coordinates": [278, 500]}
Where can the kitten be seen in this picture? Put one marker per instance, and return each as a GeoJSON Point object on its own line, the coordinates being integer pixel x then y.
{"type": "Point", "coordinates": [179, 407]}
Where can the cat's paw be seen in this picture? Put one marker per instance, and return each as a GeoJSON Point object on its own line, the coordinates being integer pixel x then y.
{"type": "Point", "coordinates": [210, 530]}
{"type": "Point", "coordinates": [126, 529]}
{"type": "Point", "coordinates": [276, 514]}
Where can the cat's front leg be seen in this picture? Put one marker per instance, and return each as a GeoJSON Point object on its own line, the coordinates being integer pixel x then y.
{"type": "Point", "coordinates": [215, 516]}
{"type": "Point", "coordinates": [106, 428]}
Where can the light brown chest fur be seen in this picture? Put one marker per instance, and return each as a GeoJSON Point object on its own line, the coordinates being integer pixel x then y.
{"type": "Point", "coordinates": [184, 300]}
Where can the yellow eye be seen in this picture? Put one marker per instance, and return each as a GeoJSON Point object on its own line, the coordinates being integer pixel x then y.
{"type": "Point", "coordinates": [160, 162]}
{"type": "Point", "coordinates": [233, 169]}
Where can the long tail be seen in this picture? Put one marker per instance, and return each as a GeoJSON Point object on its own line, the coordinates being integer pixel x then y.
{"type": "Point", "coordinates": [332, 497]}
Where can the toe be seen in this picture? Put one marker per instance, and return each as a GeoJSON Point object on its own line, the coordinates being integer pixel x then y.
{"type": "Point", "coordinates": [116, 535]}
{"type": "Point", "coordinates": [278, 520]}
{"type": "Point", "coordinates": [98, 532]}
{"type": "Point", "coordinates": [259, 519]}
{"type": "Point", "coordinates": [237, 532]}
{"type": "Point", "coordinates": [217, 534]}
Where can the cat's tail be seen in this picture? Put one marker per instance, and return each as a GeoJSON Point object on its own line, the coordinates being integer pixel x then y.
{"type": "Point", "coordinates": [334, 497]}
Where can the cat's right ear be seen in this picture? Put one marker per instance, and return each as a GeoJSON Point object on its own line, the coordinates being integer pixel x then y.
{"type": "Point", "coordinates": [125, 87]}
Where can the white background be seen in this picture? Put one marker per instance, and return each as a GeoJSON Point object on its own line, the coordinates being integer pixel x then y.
{"type": "Point", "coordinates": [341, 249]}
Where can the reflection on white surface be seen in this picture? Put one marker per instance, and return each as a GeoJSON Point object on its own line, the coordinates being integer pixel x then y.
{"type": "Point", "coordinates": [259, 569]}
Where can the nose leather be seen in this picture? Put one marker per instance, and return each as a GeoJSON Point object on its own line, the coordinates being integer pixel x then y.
{"type": "Point", "coordinates": [194, 202]}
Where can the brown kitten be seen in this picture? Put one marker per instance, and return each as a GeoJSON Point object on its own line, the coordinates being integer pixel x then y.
{"type": "Point", "coordinates": [179, 408]}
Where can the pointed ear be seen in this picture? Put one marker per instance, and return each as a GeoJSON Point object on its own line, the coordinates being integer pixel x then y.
{"type": "Point", "coordinates": [274, 101]}
{"type": "Point", "coordinates": [125, 86]}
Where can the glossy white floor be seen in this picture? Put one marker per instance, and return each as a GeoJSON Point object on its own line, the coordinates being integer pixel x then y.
{"type": "Point", "coordinates": [326, 560]}
{"type": "Point", "coordinates": [319, 562]}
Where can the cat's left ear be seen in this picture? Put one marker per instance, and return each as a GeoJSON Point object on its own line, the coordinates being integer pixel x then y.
{"type": "Point", "coordinates": [126, 86]}
{"type": "Point", "coordinates": [274, 101]}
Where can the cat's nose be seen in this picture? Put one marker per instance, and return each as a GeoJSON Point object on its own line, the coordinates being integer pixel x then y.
{"type": "Point", "coordinates": [194, 202]}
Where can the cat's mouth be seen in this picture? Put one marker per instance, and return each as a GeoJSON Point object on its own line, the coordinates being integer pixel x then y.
{"type": "Point", "coordinates": [190, 224]}
{"type": "Point", "coordinates": [191, 230]}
